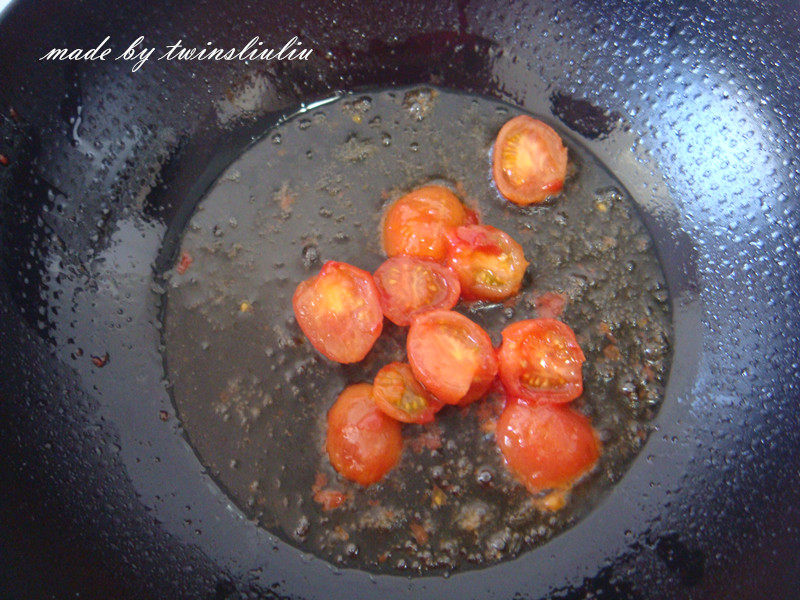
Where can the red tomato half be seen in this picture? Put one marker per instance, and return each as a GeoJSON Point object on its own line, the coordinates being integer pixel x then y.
{"type": "Point", "coordinates": [408, 286]}
{"type": "Point", "coordinates": [398, 394]}
{"type": "Point", "coordinates": [363, 444]}
{"type": "Point", "coordinates": [529, 161]}
{"type": "Point", "coordinates": [546, 445]}
{"type": "Point", "coordinates": [415, 224]}
{"type": "Point", "coordinates": [489, 264]}
{"type": "Point", "coordinates": [451, 356]}
{"type": "Point", "coordinates": [540, 359]}
{"type": "Point", "coordinates": [339, 311]}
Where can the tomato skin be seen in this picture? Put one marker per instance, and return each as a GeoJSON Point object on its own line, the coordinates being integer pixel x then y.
{"type": "Point", "coordinates": [451, 356]}
{"type": "Point", "coordinates": [184, 263]}
{"type": "Point", "coordinates": [400, 396]}
{"type": "Point", "coordinates": [472, 218]}
{"type": "Point", "coordinates": [339, 311]}
{"type": "Point", "coordinates": [529, 161]}
{"type": "Point", "coordinates": [416, 224]}
{"type": "Point", "coordinates": [546, 446]}
{"type": "Point", "coordinates": [408, 286]}
{"type": "Point", "coordinates": [363, 444]}
{"type": "Point", "coordinates": [490, 265]}
{"type": "Point", "coordinates": [327, 498]}
{"type": "Point", "coordinates": [540, 360]}
{"type": "Point", "coordinates": [550, 305]}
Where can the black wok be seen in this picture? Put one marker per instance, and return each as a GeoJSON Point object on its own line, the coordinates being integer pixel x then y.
{"type": "Point", "coordinates": [693, 107]}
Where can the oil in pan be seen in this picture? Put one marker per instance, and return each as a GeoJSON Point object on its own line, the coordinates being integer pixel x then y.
{"type": "Point", "coordinates": [253, 394]}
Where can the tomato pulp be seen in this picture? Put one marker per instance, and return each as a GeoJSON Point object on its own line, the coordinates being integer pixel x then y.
{"type": "Point", "coordinates": [451, 356]}
{"type": "Point", "coordinates": [339, 311]}
{"type": "Point", "coordinates": [397, 393]}
{"type": "Point", "coordinates": [529, 161]}
{"type": "Point", "coordinates": [408, 286]}
{"type": "Point", "coordinates": [540, 360]}
{"type": "Point", "coordinates": [489, 264]}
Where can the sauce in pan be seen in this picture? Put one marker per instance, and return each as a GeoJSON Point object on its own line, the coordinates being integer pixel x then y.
{"type": "Point", "coordinates": [253, 394]}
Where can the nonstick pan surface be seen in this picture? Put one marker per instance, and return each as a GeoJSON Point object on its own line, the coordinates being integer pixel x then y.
{"type": "Point", "coordinates": [692, 107]}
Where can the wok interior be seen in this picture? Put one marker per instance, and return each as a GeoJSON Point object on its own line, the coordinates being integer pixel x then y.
{"type": "Point", "coordinates": [252, 393]}
{"type": "Point", "coordinates": [690, 107]}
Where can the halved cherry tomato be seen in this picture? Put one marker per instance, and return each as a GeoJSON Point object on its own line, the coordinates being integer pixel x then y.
{"type": "Point", "coordinates": [363, 444]}
{"type": "Point", "coordinates": [489, 264]}
{"type": "Point", "coordinates": [408, 286]}
{"type": "Point", "coordinates": [451, 356]}
{"type": "Point", "coordinates": [339, 311]}
{"type": "Point", "coordinates": [540, 359]}
{"type": "Point", "coordinates": [415, 224]}
{"type": "Point", "coordinates": [397, 393]}
{"type": "Point", "coordinates": [529, 161]}
{"type": "Point", "coordinates": [546, 445]}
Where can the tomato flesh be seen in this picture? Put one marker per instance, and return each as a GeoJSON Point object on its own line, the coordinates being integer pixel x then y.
{"type": "Point", "coordinates": [416, 224]}
{"type": "Point", "coordinates": [451, 356]}
{"type": "Point", "coordinates": [489, 264]}
{"type": "Point", "coordinates": [408, 286]}
{"type": "Point", "coordinates": [339, 311]}
{"type": "Point", "coordinates": [397, 393]}
{"type": "Point", "coordinates": [546, 446]}
{"type": "Point", "coordinates": [540, 360]}
{"type": "Point", "coordinates": [529, 161]}
{"type": "Point", "coordinates": [363, 444]}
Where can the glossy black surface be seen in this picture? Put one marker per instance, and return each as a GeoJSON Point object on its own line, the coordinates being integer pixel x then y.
{"type": "Point", "coordinates": [694, 108]}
